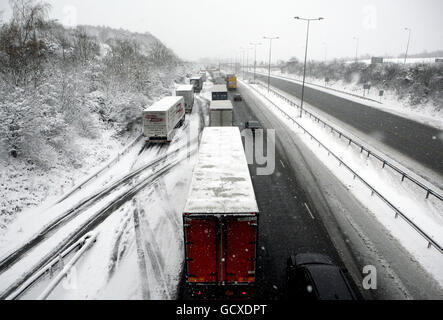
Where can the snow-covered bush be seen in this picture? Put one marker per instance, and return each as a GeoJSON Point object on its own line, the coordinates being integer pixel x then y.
{"type": "Point", "coordinates": [420, 83]}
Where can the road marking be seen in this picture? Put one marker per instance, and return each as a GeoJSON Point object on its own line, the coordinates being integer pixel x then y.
{"type": "Point", "coordinates": [309, 210]}
{"type": "Point", "coordinates": [282, 164]}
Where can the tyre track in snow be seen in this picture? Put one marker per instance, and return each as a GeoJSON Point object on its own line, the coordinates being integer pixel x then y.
{"type": "Point", "coordinates": [87, 226]}
{"type": "Point", "coordinates": [117, 251]}
{"type": "Point", "coordinates": [80, 207]}
{"type": "Point", "coordinates": [141, 257]}
{"type": "Point", "coordinates": [148, 256]}
{"type": "Point", "coordinates": [160, 189]}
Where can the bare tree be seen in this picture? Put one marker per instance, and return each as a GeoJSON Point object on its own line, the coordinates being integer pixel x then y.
{"type": "Point", "coordinates": [28, 16]}
{"type": "Point", "coordinates": [22, 51]}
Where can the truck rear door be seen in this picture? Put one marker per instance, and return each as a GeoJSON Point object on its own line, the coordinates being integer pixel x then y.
{"type": "Point", "coordinates": [240, 248]}
{"type": "Point", "coordinates": [154, 124]}
{"type": "Point", "coordinates": [201, 250]}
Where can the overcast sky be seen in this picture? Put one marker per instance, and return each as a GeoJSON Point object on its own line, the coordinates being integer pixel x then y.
{"type": "Point", "coordinates": [219, 28]}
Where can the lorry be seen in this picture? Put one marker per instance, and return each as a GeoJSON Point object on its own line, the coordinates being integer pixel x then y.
{"type": "Point", "coordinates": [220, 219]}
{"type": "Point", "coordinates": [160, 119]}
{"type": "Point", "coordinates": [220, 113]}
{"type": "Point", "coordinates": [231, 82]}
{"type": "Point", "coordinates": [197, 82]}
{"type": "Point", "coordinates": [219, 92]}
{"type": "Point", "coordinates": [187, 92]}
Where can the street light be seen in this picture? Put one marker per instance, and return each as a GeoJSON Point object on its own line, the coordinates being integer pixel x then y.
{"type": "Point", "coordinates": [270, 50]}
{"type": "Point", "coordinates": [356, 49]}
{"type": "Point", "coordinates": [306, 55]}
{"type": "Point", "coordinates": [255, 44]}
{"type": "Point", "coordinates": [407, 46]}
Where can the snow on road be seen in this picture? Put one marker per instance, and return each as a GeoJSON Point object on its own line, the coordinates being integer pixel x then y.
{"type": "Point", "coordinates": [427, 214]}
{"type": "Point", "coordinates": [111, 268]}
{"type": "Point", "coordinates": [32, 220]}
{"type": "Point", "coordinates": [26, 188]}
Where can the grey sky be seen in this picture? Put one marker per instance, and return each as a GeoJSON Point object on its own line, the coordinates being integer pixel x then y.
{"type": "Point", "coordinates": [218, 28]}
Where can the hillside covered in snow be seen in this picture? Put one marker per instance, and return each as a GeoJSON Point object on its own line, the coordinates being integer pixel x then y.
{"type": "Point", "coordinates": [69, 99]}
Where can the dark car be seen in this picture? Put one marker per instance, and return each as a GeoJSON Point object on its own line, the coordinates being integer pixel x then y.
{"type": "Point", "coordinates": [253, 125]}
{"type": "Point", "coordinates": [238, 97]}
{"type": "Point", "coordinates": [313, 276]}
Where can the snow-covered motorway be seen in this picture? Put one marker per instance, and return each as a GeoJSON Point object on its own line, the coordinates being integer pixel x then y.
{"type": "Point", "coordinates": [423, 144]}
{"type": "Point", "coordinates": [354, 234]}
{"type": "Point", "coordinates": [134, 209]}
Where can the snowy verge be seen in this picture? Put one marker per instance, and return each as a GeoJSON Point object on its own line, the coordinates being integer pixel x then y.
{"type": "Point", "coordinates": [427, 214]}
{"type": "Point", "coordinates": [24, 186]}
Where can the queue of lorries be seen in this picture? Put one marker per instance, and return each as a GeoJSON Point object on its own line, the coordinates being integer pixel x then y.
{"type": "Point", "coordinates": [167, 114]}
{"type": "Point", "coordinates": [220, 217]}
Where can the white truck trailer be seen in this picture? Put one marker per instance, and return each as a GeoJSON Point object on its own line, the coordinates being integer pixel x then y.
{"type": "Point", "coordinates": [187, 92]}
{"type": "Point", "coordinates": [220, 113]}
{"type": "Point", "coordinates": [219, 92]}
{"type": "Point", "coordinates": [160, 119]}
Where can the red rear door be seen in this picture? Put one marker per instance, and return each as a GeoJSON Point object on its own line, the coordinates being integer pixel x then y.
{"type": "Point", "coordinates": [240, 242]}
{"type": "Point", "coordinates": [201, 249]}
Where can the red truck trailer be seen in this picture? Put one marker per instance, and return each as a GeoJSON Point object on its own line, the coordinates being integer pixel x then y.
{"type": "Point", "coordinates": [220, 219]}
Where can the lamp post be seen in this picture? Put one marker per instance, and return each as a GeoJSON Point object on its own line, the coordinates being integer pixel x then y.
{"type": "Point", "coordinates": [270, 51]}
{"type": "Point", "coordinates": [255, 44]}
{"type": "Point", "coordinates": [306, 55]}
{"type": "Point", "coordinates": [407, 46]}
